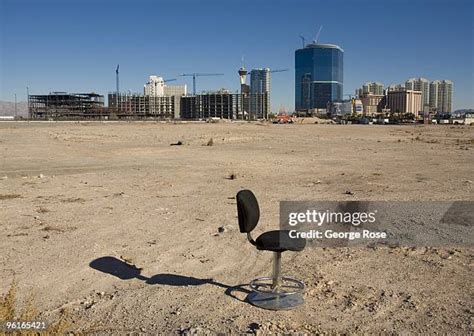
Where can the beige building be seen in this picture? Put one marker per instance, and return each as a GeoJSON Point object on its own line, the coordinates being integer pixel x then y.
{"type": "Point", "coordinates": [373, 103]}
{"type": "Point", "coordinates": [406, 101]}
{"type": "Point", "coordinates": [420, 84]}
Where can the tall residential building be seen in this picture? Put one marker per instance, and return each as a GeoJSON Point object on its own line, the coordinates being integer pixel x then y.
{"type": "Point", "coordinates": [420, 84]}
{"type": "Point", "coordinates": [260, 92]}
{"type": "Point", "coordinates": [441, 95]}
{"type": "Point", "coordinates": [156, 87]}
{"type": "Point", "coordinates": [404, 101]}
{"type": "Point", "coordinates": [395, 87]}
{"type": "Point", "coordinates": [318, 76]}
{"type": "Point", "coordinates": [374, 88]}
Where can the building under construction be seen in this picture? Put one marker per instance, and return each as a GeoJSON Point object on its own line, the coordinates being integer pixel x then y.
{"type": "Point", "coordinates": [140, 106]}
{"type": "Point", "coordinates": [62, 105]}
{"type": "Point", "coordinates": [221, 104]}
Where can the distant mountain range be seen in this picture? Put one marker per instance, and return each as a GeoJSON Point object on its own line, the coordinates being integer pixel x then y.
{"type": "Point", "coordinates": [463, 111]}
{"type": "Point", "coordinates": [8, 109]}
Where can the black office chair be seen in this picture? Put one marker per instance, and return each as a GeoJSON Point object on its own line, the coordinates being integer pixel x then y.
{"type": "Point", "coordinates": [274, 292]}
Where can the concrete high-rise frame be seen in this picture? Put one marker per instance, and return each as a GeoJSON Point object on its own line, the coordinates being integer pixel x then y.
{"type": "Point", "coordinates": [62, 105]}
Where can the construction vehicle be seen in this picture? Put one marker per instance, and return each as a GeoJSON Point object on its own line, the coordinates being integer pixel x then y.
{"type": "Point", "coordinates": [283, 118]}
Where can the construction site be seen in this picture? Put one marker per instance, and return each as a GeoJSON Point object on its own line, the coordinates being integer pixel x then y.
{"type": "Point", "coordinates": [161, 101]}
{"type": "Point", "coordinates": [140, 106]}
{"type": "Point", "coordinates": [223, 105]}
{"type": "Point", "coordinates": [62, 105]}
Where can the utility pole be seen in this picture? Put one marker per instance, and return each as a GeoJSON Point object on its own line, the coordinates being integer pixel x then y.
{"type": "Point", "coordinates": [15, 105]}
{"type": "Point", "coordinates": [117, 84]}
{"type": "Point", "coordinates": [28, 101]}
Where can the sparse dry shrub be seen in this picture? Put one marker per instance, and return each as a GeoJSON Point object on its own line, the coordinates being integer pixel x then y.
{"type": "Point", "coordinates": [10, 196]}
{"type": "Point", "coordinates": [29, 312]}
{"type": "Point", "coordinates": [7, 304]}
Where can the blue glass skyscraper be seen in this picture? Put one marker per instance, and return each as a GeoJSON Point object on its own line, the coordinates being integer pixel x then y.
{"type": "Point", "coordinates": [318, 76]}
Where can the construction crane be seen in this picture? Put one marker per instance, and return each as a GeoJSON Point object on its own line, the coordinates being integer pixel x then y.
{"type": "Point", "coordinates": [169, 80]}
{"type": "Point", "coordinates": [194, 75]}
{"type": "Point", "coordinates": [303, 39]}
{"type": "Point", "coordinates": [316, 39]}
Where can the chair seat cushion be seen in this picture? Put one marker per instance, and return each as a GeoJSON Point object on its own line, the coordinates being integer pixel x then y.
{"type": "Point", "coordinates": [279, 241]}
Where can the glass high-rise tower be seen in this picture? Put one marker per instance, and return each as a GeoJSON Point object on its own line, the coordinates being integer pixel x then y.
{"type": "Point", "coordinates": [260, 92]}
{"type": "Point", "coordinates": [318, 76]}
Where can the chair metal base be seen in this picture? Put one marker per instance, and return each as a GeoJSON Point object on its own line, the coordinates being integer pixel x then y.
{"type": "Point", "coordinates": [276, 292]}
{"type": "Point", "coordinates": [284, 285]}
{"type": "Point", "coordinates": [275, 301]}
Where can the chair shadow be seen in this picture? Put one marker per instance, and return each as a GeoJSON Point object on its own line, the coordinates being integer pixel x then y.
{"type": "Point", "coordinates": [125, 271]}
{"type": "Point", "coordinates": [177, 280]}
{"type": "Point", "coordinates": [117, 268]}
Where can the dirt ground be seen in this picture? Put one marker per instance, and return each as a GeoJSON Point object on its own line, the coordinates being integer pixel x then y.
{"type": "Point", "coordinates": [71, 193]}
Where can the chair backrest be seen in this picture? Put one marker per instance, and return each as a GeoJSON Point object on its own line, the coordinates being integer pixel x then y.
{"type": "Point", "coordinates": [248, 210]}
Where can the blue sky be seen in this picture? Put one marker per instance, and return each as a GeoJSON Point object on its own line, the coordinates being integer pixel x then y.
{"type": "Point", "coordinates": [74, 46]}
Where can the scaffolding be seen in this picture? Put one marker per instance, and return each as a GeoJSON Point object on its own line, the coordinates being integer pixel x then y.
{"type": "Point", "coordinates": [62, 105]}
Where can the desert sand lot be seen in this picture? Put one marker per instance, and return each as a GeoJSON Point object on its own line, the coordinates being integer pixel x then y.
{"type": "Point", "coordinates": [71, 193]}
